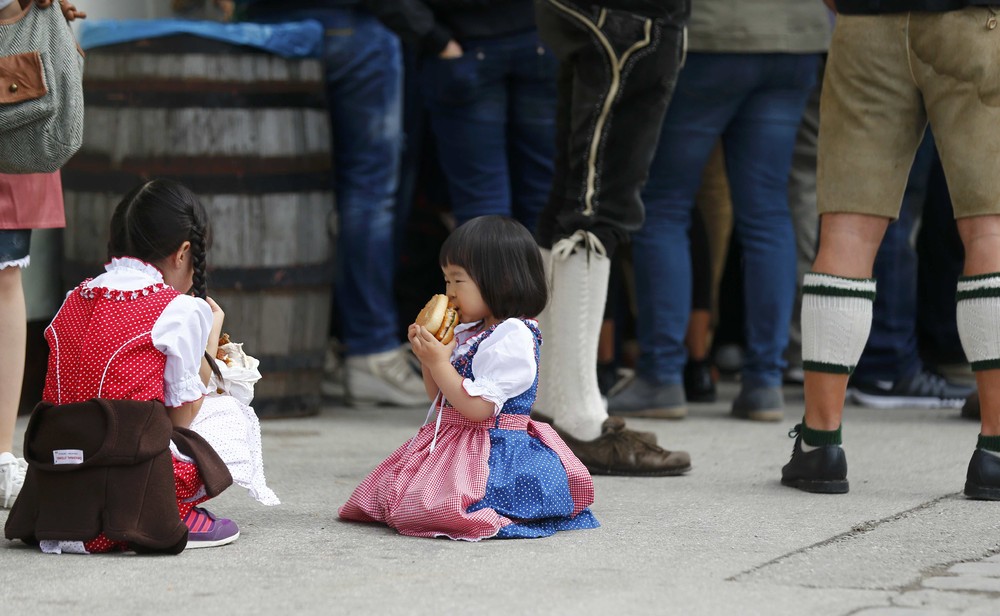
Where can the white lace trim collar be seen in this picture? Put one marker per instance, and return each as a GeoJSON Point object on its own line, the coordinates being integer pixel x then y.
{"type": "Point", "coordinates": [129, 264]}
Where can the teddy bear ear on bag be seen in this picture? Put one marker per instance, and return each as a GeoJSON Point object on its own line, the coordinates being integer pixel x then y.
{"type": "Point", "coordinates": [41, 91]}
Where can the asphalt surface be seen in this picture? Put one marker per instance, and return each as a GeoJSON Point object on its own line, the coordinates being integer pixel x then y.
{"type": "Point", "coordinates": [725, 539]}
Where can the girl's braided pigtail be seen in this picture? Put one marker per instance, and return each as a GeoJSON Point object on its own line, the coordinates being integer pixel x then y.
{"type": "Point", "coordinates": [198, 250]}
{"type": "Point", "coordinates": [200, 285]}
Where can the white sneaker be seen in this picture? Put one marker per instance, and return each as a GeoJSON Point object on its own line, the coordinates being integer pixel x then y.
{"type": "Point", "coordinates": [384, 378]}
{"type": "Point", "coordinates": [12, 471]}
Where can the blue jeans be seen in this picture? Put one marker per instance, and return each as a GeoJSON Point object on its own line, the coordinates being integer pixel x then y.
{"type": "Point", "coordinates": [891, 353]}
{"type": "Point", "coordinates": [364, 85]}
{"type": "Point", "coordinates": [754, 102]}
{"type": "Point", "coordinates": [493, 116]}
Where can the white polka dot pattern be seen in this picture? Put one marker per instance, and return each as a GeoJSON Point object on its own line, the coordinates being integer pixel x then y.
{"type": "Point", "coordinates": [232, 429]}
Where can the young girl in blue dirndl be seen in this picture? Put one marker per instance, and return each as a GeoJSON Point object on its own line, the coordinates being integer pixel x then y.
{"type": "Point", "coordinates": [484, 468]}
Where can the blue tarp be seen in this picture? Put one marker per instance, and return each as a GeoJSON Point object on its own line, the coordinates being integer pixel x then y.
{"type": "Point", "coordinates": [298, 39]}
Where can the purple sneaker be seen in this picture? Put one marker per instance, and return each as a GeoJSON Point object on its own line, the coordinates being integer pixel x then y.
{"type": "Point", "coordinates": [207, 531]}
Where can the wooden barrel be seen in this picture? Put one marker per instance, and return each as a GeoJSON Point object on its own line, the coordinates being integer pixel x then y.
{"type": "Point", "coordinates": [248, 132]}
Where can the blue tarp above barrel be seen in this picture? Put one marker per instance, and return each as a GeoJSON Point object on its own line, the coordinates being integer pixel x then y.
{"type": "Point", "coordinates": [236, 112]}
{"type": "Point", "coordinates": [300, 39]}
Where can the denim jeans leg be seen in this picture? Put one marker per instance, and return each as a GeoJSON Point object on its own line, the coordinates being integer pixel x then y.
{"type": "Point", "coordinates": [531, 132]}
{"type": "Point", "coordinates": [661, 248]}
{"type": "Point", "coordinates": [364, 90]}
{"type": "Point", "coordinates": [939, 265]}
{"type": "Point", "coordinates": [466, 100]}
{"type": "Point", "coordinates": [758, 146]}
{"type": "Point", "coordinates": [891, 353]}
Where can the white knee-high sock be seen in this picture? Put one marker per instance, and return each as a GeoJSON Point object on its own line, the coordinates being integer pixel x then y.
{"type": "Point", "coordinates": [578, 270]}
{"type": "Point", "coordinates": [978, 316]}
{"type": "Point", "coordinates": [836, 321]}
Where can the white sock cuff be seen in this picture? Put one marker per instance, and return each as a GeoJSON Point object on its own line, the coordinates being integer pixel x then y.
{"type": "Point", "coordinates": [978, 317]}
{"type": "Point", "coordinates": [836, 321]}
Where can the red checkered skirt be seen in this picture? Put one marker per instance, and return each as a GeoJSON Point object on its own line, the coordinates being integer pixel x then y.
{"type": "Point", "coordinates": [427, 494]}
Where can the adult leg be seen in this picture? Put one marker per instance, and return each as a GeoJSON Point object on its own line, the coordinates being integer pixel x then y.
{"type": "Point", "coordinates": [13, 337]}
{"type": "Point", "coordinates": [364, 88]}
{"type": "Point", "coordinates": [467, 102]}
{"type": "Point", "coordinates": [709, 92]}
{"type": "Point", "coordinates": [758, 146]}
{"type": "Point", "coordinates": [848, 244]}
{"type": "Point", "coordinates": [871, 123]}
{"type": "Point", "coordinates": [959, 83]}
{"type": "Point", "coordinates": [617, 70]}
{"type": "Point", "coordinates": [978, 324]}
{"type": "Point", "coordinates": [531, 126]}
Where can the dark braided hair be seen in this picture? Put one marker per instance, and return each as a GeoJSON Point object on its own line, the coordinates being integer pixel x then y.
{"type": "Point", "coordinates": [198, 251]}
{"type": "Point", "coordinates": [153, 220]}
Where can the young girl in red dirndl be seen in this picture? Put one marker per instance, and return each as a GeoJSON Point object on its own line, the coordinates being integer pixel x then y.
{"type": "Point", "coordinates": [483, 468]}
{"type": "Point", "coordinates": [133, 333]}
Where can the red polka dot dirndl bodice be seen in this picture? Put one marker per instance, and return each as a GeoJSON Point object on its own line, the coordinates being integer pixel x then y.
{"type": "Point", "coordinates": [101, 346]}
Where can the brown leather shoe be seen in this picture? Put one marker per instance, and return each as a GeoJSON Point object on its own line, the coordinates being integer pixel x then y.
{"type": "Point", "coordinates": [620, 451]}
{"type": "Point", "coordinates": [648, 437]}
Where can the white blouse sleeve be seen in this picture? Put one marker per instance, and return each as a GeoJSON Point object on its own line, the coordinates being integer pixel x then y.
{"type": "Point", "coordinates": [504, 366]}
{"type": "Point", "coordinates": [181, 333]}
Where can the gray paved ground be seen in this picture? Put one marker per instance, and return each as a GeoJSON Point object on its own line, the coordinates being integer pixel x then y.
{"type": "Point", "coordinates": [726, 539]}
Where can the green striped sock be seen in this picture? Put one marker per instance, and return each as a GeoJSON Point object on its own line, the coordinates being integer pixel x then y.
{"type": "Point", "coordinates": [820, 438]}
{"type": "Point", "coordinates": [989, 443]}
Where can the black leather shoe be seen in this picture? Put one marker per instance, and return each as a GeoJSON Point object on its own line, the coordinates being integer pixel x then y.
{"type": "Point", "coordinates": [983, 479]}
{"type": "Point", "coordinates": [822, 470]}
{"type": "Point", "coordinates": [698, 383]}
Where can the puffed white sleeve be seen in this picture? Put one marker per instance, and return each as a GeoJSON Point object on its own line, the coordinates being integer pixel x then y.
{"type": "Point", "coordinates": [504, 366]}
{"type": "Point", "coordinates": [181, 333]}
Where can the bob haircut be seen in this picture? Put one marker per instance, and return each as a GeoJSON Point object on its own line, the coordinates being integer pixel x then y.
{"type": "Point", "coordinates": [502, 258]}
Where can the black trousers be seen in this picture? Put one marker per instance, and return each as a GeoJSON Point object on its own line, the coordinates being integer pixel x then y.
{"type": "Point", "coordinates": [616, 75]}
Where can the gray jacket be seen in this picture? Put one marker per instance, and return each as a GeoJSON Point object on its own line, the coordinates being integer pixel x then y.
{"type": "Point", "coordinates": [759, 26]}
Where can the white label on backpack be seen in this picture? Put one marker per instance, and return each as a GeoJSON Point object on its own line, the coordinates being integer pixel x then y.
{"type": "Point", "coordinates": [67, 456]}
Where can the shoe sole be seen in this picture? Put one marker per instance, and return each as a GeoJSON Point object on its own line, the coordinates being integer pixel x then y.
{"type": "Point", "coordinates": [903, 402]}
{"type": "Point", "coordinates": [673, 472]}
{"type": "Point", "coordinates": [384, 397]}
{"type": "Point", "coordinates": [677, 412]}
{"type": "Point", "coordinates": [981, 492]}
{"type": "Point", "coordinates": [195, 545]}
{"type": "Point", "coordinates": [836, 486]}
{"type": "Point", "coordinates": [770, 415]}
{"type": "Point", "coordinates": [332, 390]}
